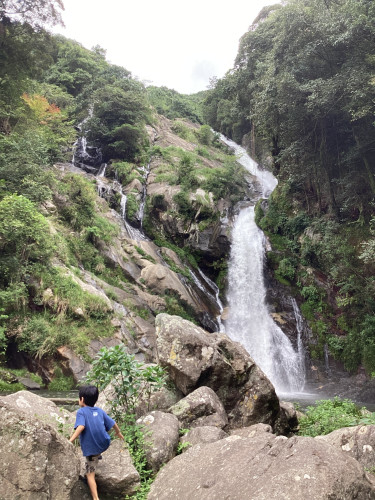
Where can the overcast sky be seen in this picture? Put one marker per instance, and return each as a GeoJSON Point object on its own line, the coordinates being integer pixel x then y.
{"type": "Point", "coordinates": [164, 42]}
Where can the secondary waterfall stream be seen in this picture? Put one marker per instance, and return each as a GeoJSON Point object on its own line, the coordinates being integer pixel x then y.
{"type": "Point", "coordinates": [249, 320]}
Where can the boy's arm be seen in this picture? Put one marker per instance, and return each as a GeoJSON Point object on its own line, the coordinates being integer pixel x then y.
{"type": "Point", "coordinates": [76, 433]}
{"type": "Point", "coordinates": [117, 431]}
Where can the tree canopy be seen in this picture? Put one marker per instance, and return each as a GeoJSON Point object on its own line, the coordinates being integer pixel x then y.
{"type": "Point", "coordinates": [304, 83]}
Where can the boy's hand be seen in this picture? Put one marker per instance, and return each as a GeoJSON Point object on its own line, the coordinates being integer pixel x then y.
{"type": "Point", "coordinates": [116, 428]}
{"type": "Point", "coordinates": [76, 433]}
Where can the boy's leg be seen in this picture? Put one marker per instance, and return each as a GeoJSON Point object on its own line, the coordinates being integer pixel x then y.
{"type": "Point", "coordinates": [91, 466]}
{"type": "Point", "coordinates": [92, 485]}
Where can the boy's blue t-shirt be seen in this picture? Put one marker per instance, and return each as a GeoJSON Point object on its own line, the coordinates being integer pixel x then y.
{"type": "Point", "coordinates": [95, 438]}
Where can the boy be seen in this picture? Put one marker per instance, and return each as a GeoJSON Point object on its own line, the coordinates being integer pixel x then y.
{"type": "Point", "coordinates": [92, 426]}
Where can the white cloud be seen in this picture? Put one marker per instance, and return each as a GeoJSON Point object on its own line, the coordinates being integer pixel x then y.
{"type": "Point", "coordinates": [179, 45]}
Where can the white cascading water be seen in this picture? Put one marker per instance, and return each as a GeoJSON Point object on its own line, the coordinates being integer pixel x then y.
{"type": "Point", "coordinates": [134, 233]}
{"type": "Point", "coordinates": [140, 214]}
{"type": "Point", "coordinates": [249, 320]}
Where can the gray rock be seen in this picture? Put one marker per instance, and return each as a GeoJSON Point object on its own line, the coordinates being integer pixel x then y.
{"type": "Point", "coordinates": [28, 383]}
{"type": "Point", "coordinates": [203, 435]}
{"type": "Point", "coordinates": [184, 349]}
{"type": "Point", "coordinates": [196, 358]}
{"type": "Point", "coordinates": [34, 406]}
{"type": "Point", "coordinates": [161, 435]}
{"type": "Point", "coordinates": [161, 279]}
{"type": "Point", "coordinates": [161, 400]}
{"type": "Point", "coordinates": [264, 467]}
{"type": "Point", "coordinates": [116, 474]}
{"type": "Point", "coordinates": [287, 422]}
{"type": "Point", "coordinates": [200, 407]}
{"type": "Point", "coordinates": [358, 442]}
{"type": "Point", "coordinates": [251, 431]}
{"type": "Point", "coordinates": [73, 363]}
{"type": "Point", "coordinates": [38, 463]}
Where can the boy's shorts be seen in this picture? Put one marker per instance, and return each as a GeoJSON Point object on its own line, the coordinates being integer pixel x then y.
{"type": "Point", "coordinates": [92, 463]}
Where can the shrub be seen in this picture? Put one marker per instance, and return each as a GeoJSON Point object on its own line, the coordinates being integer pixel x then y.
{"type": "Point", "coordinates": [80, 210]}
{"type": "Point", "coordinates": [183, 131]}
{"type": "Point", "coordinates": [131, 207]}
{"type": "Point", "coordinates": [101, 229]}
{"type": "Point", "coordinates": [130, 379]}
{"type": "Point", "coordinates": [185, 207]}
{"type": "Point", "coordinates": [24, 238]}
{"type": "Point", "coordinates": [60, 382]}
{"type": "Point", "coordinates": [205, 135]}
{"type": "Point", "coordinates": [328, 416]}
{"type": "Point", "coordinates": [125, 172]}
{"type": "Point", "coordinates": [185, 170]}
{"type": "Point", "coordinates": [286, 269]}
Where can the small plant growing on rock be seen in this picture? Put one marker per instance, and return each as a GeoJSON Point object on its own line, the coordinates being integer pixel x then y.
{"type": "Point", "coordinates": [131, 381]}
{"type": "Point", "coordinates": [181, 447]}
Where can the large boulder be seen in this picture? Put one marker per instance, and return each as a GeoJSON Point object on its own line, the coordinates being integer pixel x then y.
{"type": "Point", "coordinates": [202, 435]}
{"type": "Point", "coordinates": [116, 473]}
{"type": "Point", "coordinates": [36, 407]}
{"type": "Point", "coordinates": [161, 435]}
{"type": "Point", "coordinates": [73, 363]}
{"type": "Point", "coordinates": [161, 280]}
{"type": "Point", "coordinates": [200, 407]}
{"type": "Point", "coordinates": [287, 422]}
{"type": "Point", "coordinates": [358, 442]}
{"type": "Point", "coordinates": [37, 462]}
{"type": "Point", "coordinates": [195, 358]}
{"type": "Point", "coordinates": [264, 467]}
{"type": "Point", "coordinates": [251, 431]}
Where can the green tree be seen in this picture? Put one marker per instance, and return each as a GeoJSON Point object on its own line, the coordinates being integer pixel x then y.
{"type": "Point", "coordinates": [119, 114]}
{"type": "Point", "coordinates": [24, 240]}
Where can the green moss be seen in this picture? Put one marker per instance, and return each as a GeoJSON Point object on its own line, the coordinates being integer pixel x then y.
{"type": "Point", "coordinates": [132, 207]}
{"type": "Point", "coordinates": [144, 254]}
{"type": "Point", "coordinates": [176, 307]}
{"type": "Point", "coordinates": [179, 270]}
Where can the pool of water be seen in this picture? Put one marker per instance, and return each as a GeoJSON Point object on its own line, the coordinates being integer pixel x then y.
{"type": "Point", "coordinates": [313, 394]}
{"type": "Point", "coordinates": [65, 398]}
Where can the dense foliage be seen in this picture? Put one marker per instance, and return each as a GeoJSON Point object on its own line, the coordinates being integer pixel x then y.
{"type": "Point", "coordinates": [302, 93]}
{"type": "Point", "coordinates": [169, 103]}
{"type": "Point", "coordinates": [328, 415]}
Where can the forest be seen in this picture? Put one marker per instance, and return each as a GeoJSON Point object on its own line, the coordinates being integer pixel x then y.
{"type": "Point", "coordinates": [300, 97]}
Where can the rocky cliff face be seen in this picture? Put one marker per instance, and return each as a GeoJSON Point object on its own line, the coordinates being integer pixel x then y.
{"type": "Point", "coordinates": [146, 204]}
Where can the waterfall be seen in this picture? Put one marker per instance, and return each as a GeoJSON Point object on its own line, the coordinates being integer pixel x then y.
{"type": "Point", "coordinates": [134, 233]}
{"type": "Point", "coordinates": [102, 170]}
{"type": "Point", "coordinates": [249, 320]}
{"type": "Point", "coordinates": [86, 157]}
{"type": "Point", "coordinates": [299, 325]}
{"type": "Point", "coordinates": [211, 292]}
{"type": "Point", "coordinates": [140, 214]}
